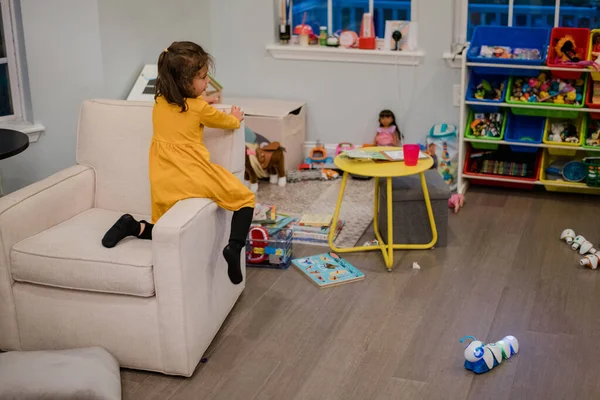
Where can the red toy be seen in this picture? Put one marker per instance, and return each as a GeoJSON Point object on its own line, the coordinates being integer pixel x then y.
{"type": "Point", "coordinates": [258, 240]}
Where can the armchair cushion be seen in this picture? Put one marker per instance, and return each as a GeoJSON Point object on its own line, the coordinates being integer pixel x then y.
{"type": "Point", "coordinates": [70, 255]}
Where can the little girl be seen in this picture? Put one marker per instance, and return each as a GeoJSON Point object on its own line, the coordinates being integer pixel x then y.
{"type": "Point", "coordinates": [180, 166]}
{"type": "Point", "coordinates": [388, 133]}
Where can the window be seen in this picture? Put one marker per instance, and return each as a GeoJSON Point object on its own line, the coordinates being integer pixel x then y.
{"type": "Point", "coordinates": [10, 98]}
{"type": "Point", "coordinates": [528, 13]}
{"type": "Point", "coordinates": [340, 15]}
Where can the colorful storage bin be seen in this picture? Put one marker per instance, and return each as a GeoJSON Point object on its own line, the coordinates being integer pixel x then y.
{"type": "Point", "coordinates": [588, 98]}
{"type": "Point", "coordinates": [273, 252]}
{"type": "Point", "coordinates": [591, 126]}
{"type": "Point", "coordinates": [593, 34]}
{"type": "Point", "coordinates": [568, 187]}
{"type": "Point", "coordinates": [523, 129]}
{"type": "Point", "coordinates": [581, 36]}
{"type": "Point", "coordinates": [478, 145]}
{"type": "Point", "coordinates": [494, 81]}
{"type": "Point", "coordinates": [513, 37]}
{"type": "Point", "coordinates": [580, 125]}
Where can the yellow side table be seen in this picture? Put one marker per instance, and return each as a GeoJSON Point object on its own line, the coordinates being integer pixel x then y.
{"type": "Point", "coordinates": [387, 170]}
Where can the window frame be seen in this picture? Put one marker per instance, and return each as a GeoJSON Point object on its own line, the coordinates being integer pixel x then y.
{"type": "Point", "coordinates": [12, 59]}
{"type": "Point", "coordinates": [320, 53]}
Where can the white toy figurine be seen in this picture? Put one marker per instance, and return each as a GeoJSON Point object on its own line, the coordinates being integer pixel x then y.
{"type": "Point", "coordinates": [481, 358]}
{"type": "Point", "coordinates": [591, 260]}
{"type": "Point", "coordinates": [568, 235]}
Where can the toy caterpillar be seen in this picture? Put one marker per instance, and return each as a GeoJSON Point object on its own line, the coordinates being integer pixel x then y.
{"type": "Point", "coordinates": [481, 358]}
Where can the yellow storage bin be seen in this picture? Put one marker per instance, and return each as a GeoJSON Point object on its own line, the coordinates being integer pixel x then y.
{"type": "Point", "coordinates": [595, 32]}
{"type": "Point", "coordinates": [566, 187]}
{"type": "Point", "coordinates": [580, 125]}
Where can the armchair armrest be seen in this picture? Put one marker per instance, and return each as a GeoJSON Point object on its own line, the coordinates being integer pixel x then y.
{"type": "Point", "coordinates": [192, 287]}
{"type": "Point", "coordinates": [32, 210]}
{"type": "Point", "coordinates": [227, 148]}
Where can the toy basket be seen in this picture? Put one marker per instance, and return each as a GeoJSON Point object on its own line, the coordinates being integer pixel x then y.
{"type": "Point", "coordinates": [595, 75]}
{"type": "Point", "coordinates": [591, 126]}
{"type": "Point", "coordinates": [266, 251]}
{"type": "Point", "coordinates": [580, 125]}
{"type": "Point", "coordinates": [522, 129]}
{"type": "Point", "coordinates": [513, 37]}
{"type": "Point", "coordinates": [592, 178]}
{"type": "Point", "coordinates": [568, 187]}
{"type": "Point", "coordinates": [486, 146]}
{"type": "Point", "coordinates": [494, 81]}
{"type": "Point", "coordinates": [588, 98]}
{"type": "Point", "coordinates": [520, 167]}
{"type": "Point", "coordinates": [582, 39]}
{"type": "Point", "coordinates": [565, 111]}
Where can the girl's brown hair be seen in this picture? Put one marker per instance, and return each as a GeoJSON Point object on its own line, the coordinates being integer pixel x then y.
{"type": "Point", "coordinates": [178, 65]}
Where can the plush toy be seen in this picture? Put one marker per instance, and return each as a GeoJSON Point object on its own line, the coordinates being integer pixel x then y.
{"type": "Point", "coordinates": [265, 162]}
{"type": "Point", "coordinates": [481, 358]}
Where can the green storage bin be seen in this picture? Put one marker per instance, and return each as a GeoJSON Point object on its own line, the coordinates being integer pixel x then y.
{"type": "Point", "coordinates": [564, 111]}
{"type": "Point", "coordinates": [485, 146]}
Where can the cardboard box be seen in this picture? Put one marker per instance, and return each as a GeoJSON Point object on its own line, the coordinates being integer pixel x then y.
{"type": "Point", "coordinates": [278, 121]}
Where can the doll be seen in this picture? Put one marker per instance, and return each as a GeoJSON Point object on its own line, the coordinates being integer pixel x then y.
{"type": "Point", "coordinates": [388, 133]}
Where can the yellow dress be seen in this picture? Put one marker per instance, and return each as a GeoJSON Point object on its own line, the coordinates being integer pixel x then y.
{"type": "Point", "coordinates": [180, 166]}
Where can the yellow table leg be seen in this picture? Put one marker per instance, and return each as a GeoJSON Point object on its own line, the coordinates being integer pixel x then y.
{"type": "Point", "coordinates": [434, 232]}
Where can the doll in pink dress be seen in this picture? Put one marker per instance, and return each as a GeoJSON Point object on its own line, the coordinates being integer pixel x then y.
{"type": "Point", "coordinates": [388, 133]}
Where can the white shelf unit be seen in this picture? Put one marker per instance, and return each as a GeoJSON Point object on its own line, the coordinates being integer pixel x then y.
{"type": "Point", "coordinates": [464, 178]}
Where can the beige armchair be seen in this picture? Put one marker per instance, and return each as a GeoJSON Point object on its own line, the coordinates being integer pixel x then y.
{"type": "Point", "coordinates": [156, 305]}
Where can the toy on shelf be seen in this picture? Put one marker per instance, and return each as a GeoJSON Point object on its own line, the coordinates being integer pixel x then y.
{"type": "Point", "coordinates": [567, 51]}
{"type": "Point", "coordinates": [593, 171]}
{"type": "Point", "coordinates": [596, 47]}
{"type": "Point", "coordinates": [344, 146]}
{"type": "Point", "coordinates": [487, 125]}
{"type": "Point", "coordinates": [591, 261]}
{"type": "Point", "coordinates": [481, 358]}
{"type": "Point", "coordinates": [569, 171]}
{"type": "Point", "coordinates": [264, 162]}
{"type": "Point", "coordinates": [367, 40]}
{"type": "Point", "coordinates": [487, 90]}
{"type": "Point", "coordinates": [545, 89]}
{"type": "Point", "coordinates": [304, 31]}
{"type": "Point", "coordinates": [568, 235]}
{"type": "Point", "coordinates": [388, 133]}
{"type": "Point", "coordinates": [592, 136]}
{"type": "Point", "coordinates": [507, 52]}
{"type": "Point", "coordinates": [563, 131]}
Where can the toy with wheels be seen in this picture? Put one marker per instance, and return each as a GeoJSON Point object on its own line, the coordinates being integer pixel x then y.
{"type": "Point", "coordinates": [318, 156]}
{"type": "Point", "coordinates": [481, 358]}
{"type": "Point", "coordinates": [344, 146]}
{"type": "Point", "coordinates": [258, 239]}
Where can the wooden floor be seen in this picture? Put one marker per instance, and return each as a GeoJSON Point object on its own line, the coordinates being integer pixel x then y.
{"type": "Point", "coordinates": [396, 335]}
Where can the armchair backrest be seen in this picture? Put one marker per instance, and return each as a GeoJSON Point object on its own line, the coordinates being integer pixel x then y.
{"type": "Point", "coordinates": [114, 138]}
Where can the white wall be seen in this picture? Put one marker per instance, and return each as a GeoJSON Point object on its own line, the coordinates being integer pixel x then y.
{"type": "Point", "coordinates": [79, 49]}
{"type": "Point", "coordinates": [344, 99]}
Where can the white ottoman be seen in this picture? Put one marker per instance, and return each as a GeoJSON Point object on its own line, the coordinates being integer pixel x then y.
{"type": "Point", "coordinates": [90, 373]}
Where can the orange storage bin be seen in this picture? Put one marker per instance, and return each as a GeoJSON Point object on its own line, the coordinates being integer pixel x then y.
{"type": "Point", "coordinates": [581, 36]}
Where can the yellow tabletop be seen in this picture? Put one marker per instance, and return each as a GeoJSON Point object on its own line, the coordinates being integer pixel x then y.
{"type": "Point", "coordinates": [381, 169]}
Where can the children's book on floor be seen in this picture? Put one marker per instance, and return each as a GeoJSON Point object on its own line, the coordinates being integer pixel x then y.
{"type": "Point", "coordinates": [315, 235]}
{"type": "Point", "coordinates": [327, 270]}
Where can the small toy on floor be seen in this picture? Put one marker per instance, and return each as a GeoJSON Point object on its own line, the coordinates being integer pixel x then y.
{"type": "Point", "coordinates": [456, 202]}
{"type": "Point", "coordinates": [583, 245]}
{"type": "Point", "coordinates": [591, 261]}
{"type": "Point", "coordinates": [568, 235]}
{"type": "Point", "coordinates": [481, 358]}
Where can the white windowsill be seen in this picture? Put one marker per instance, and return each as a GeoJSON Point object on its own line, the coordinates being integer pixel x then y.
{"type": "Point", "coordinates": [32, 130]}
{"type": "Point", "coordinates": [453, 61]}
{"type": "Point", "coordinates": [332, 54]}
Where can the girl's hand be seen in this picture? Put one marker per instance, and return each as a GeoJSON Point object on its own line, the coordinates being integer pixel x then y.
{"type": "Point", "coordinates": [237, 112]}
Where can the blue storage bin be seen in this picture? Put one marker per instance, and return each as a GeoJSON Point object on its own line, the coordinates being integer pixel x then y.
{"type": "Point", "coordinates": [513, 37]}
{"type": "Point", "coordinates": [494, 80]}
{"type": "Point", "coordinates": [524, 129]}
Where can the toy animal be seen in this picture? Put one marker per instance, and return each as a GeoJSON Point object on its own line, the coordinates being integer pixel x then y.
{"type": "Point", "coordinates": [265, 162]}
{"type": "Point", "coordinates": [481, 358]}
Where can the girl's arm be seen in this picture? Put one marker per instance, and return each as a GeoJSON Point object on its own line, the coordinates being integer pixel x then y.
{"type": "Point", "coordinates": [213, 118]}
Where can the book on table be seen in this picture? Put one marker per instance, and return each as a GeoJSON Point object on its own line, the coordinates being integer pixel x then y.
{"type": "Point", "coordinates": [380, 155]}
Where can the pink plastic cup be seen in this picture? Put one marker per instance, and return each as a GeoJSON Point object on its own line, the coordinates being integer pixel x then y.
{"type": "Point", "coordinates": [411, 154]}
